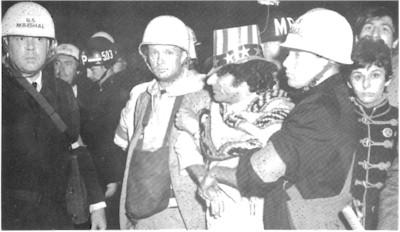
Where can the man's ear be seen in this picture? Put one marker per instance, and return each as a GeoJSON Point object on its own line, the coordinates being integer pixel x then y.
{"type": "Point", "coordinates": [184, 57]}
{"type": "Point", "coordinates": [348, 84]}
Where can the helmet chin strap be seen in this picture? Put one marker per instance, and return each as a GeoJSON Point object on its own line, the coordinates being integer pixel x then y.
{"type": "Point", "coordinates": [315, 81]}
{"type": "Point", "coordinates": [102, 76]}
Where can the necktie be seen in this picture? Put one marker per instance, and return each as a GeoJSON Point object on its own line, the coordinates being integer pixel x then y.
{"type": "Point", "coordinates": [34, 85]}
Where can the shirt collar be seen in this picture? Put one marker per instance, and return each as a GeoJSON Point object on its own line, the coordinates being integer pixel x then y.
{"type": "Point", "coordinates": [190, 82]}
{"type": "Point", "coordinates": [75, 89]}
{"type": "Point", "coordinates": [38, 81]}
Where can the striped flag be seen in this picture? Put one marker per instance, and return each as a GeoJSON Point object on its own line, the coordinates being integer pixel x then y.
{"type": "Point", "coordinates": [234, 45]}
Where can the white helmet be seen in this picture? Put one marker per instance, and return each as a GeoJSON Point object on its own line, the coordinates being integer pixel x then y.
{"type": "Point", "coordinates": [28, 19]}
{"type": "Point", "coordinates": [322, 32]}
{"type": "Point", "coordinates": [192, 43]}
{"type": "Point", "coordinates": [66, 49]}
{"type": "Point", "coordinates": [166, 30]}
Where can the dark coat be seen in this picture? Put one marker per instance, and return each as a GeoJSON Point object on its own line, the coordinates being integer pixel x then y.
{"type": "Point", "coordinates": [101, 112]}
{"type": "Point", "coordinates": [34, 152]}
{"type": "Point", "coordinates": [316, 142]}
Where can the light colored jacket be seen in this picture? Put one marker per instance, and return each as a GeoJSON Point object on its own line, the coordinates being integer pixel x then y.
{"type": "Point", "coordinates": [185, 188]}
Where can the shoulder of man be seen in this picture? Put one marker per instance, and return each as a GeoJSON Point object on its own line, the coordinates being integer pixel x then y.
{"type": "Point", "coordinates": [56, 85]}
{"type": "Point", "coordinates": [66, 104]}
{"type": "Point", "coordinates": [197, 100]}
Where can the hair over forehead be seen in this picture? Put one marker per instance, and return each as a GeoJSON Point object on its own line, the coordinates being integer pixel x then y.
{"type": "Point", "coordinates": [258, 74]}
{"type": "Point", "coordinates": [368, 52]}
{"type": "Point", "coordinates": [371, 13]}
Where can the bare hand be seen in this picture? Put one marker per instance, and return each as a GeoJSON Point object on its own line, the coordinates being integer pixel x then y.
{"type": "Point", "coordinates": [80, 142]}
{"type": "Point", "coordinates": [111, 190]}
{"type": "Point", "coordinates": [212, 194]}
{"type": "Point", "coordinates": [206, 184]}
{"type": "Point", "coordinates": [217, 206]}
{"type": "Point", "coordinates": [98, 218]}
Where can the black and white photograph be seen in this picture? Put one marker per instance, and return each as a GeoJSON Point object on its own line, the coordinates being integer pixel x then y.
{"type": "Point", "coordinates": [200, 115]}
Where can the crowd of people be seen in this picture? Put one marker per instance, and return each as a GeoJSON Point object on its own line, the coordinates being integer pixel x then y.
{"type": "Point", "coordinates": [296, 120]}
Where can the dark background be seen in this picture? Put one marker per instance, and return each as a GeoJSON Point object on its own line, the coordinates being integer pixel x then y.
{"type": "Point", "coordinates": [76, 21]}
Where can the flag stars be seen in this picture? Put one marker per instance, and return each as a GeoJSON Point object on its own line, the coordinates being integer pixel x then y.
{"type": "Point", "coordinates": [230, 58]}
{"type": "Point", "coordinates": [258, 51]}
{"type": "Point", "coordinates": [244, 52]}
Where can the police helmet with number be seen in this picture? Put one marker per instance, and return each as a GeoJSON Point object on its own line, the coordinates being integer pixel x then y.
{"type": "Point", "coordinates": [100, 51]}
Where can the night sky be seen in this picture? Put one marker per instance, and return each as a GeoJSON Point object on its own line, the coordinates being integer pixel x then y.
{"type": "Point", "coordinates": [76, 21]}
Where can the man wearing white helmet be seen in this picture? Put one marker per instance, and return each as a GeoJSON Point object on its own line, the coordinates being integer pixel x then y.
{"type": "Point", "coordinates": [36, 147]}
{"type": "Point", "coordinates": [169, 202]}
{"type": "Point", "coordinates": [66, 67]}
{"type": "Point", "coordinates": [274, 28]}
{"type": "Point", "coordinates": [125, 127]}
{"type": "Point", "coordinates": [65, 61]}
{"type": "Point", "coordinates": [311, 155]}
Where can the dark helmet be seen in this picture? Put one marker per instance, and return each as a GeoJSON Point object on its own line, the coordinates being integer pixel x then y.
{"type": "Point", "coordinates": [275, 26]}
{"type": "Point", "coordinates": [100, 50]}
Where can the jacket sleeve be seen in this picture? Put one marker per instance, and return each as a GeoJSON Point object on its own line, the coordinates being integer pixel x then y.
{"type": "Point", "coordinates": [388, 207]}
{"type": "Point", "coordinates": [89, 176]}
{"type": "Point", "coordinates": [249, 183]}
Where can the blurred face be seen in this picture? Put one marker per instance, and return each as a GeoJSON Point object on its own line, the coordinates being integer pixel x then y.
{"type": "Point", "coordinates": [119, 65]}
{"type": "Point", "coordinates": [65, 68]}
{"type": "Point", "coordinates": [379, 28]}
{"type": "Point", "coordinates": [302, 67]}
{"type": "Point", "coordinates": [166, 61]}
{"type": "Point", "coordinates": [271, 49]}
{"type": "Point", "coordinates": [28, 54]}
{"type": "Point", "coordinates": [223, 90]}
{"type": "Point", "coordinates": [368, 84]}
{"type": "Point", "coordinates": [95, 73]}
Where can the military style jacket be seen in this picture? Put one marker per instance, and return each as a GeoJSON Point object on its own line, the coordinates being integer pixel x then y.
{"type": "Point", "coordinates": [377, 135]}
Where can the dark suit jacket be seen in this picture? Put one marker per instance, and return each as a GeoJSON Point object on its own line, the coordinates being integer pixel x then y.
{"type": "Point", "coordinates": [34, 152]}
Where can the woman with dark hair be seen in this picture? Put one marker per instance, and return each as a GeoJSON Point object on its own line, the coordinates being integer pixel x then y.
{"type": "Point", "coordinates": [377, 128]}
